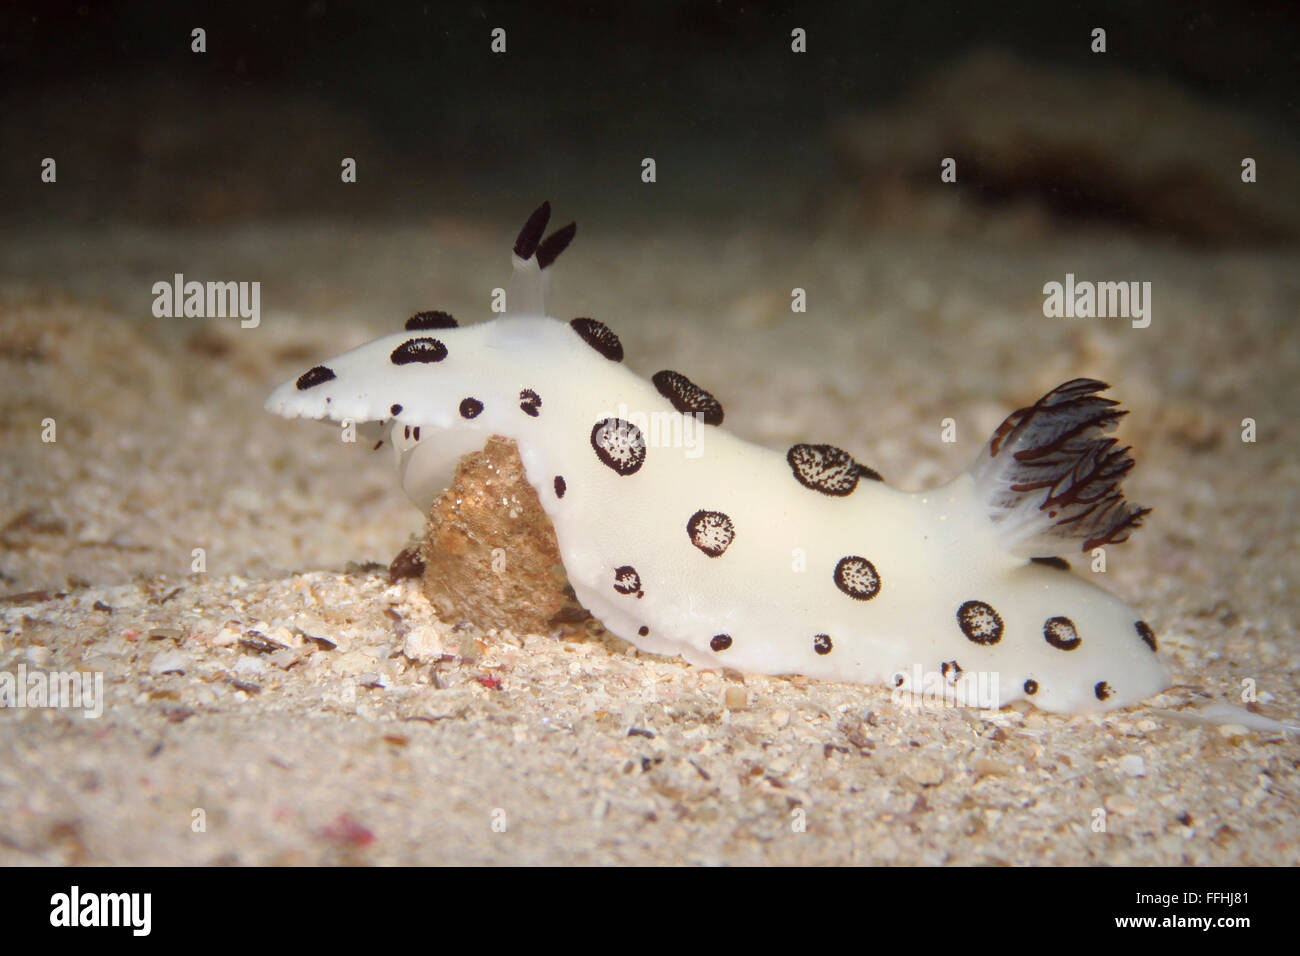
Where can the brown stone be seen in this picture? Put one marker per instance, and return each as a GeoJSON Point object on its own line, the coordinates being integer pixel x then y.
{"type": "Point", "coordinates": [489, 550]}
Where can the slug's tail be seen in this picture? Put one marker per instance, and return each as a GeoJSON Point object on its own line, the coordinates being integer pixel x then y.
{"type": "Point", "coordinates": [1052, 479]}
{"type": "Point", "coordinates": [530, 288]}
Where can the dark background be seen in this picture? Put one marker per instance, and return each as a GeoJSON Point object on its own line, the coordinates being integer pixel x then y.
{"type": "Point", "coordinates": [254, 128]}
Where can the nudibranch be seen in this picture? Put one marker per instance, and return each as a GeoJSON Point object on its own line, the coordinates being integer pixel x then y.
{"type": "Point", "coordinates": [684, 539]}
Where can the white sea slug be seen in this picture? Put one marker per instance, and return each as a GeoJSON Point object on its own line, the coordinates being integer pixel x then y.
{"type": "Point", "coordinates": [733, 555]}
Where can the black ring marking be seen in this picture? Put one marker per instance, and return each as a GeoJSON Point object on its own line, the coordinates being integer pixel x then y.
{"type": "Point", "coordinates": [827, 469]}
{"type": "Point", "coordinates": [600, 337]}
{"type": "Point", "coordinates": [314, 376]}
{"type": "Point", "coordinates": [626, 580]}
{"type": "Point", "coordinates": [980, 623]}
{"type": "Point", "coordinates": [619, 445]}
{"type": "Point", "coordinates": [423, 349]}
{"type": "Point", "coordinates": [431, 320]}
{"type": "Point", "coordinates": [857, 577]}
{"type": "Point", "coordinates": [1061, 633]}
{"type": "Point", "coordinates": [687, 397]}
{"type": "Point", "coordinates": [711, 531]}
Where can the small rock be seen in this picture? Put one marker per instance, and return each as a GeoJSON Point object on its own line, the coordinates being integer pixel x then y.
{"type": "Point", "coordinates": [353, 663]}
{"type": "Point", "coordinates": [984, 767]}
{"type": "Point", "coordinates": [113, 647]}
{"type": "Point", "coordinates": [1122, 804]}
{"type": "Point", "coordinates": [780, 718]}
{"type": "Point", "coordinates": [1223, 836]}
{"type": "Point", "coordinates": [423, 643]}
{"type": "Point", "coordinates": [38, 655]}
{"type": "Point", "coordinates": [286, 658]}
{"type": "Point", "coordinates": [248, 667]}
{"type": "Point", "coordinates": [927, 774]}
{"type": "Point", "coordinates": [1133, 765]}
{"type": "Point", "coordinates": [282, 635]}
{"type": "Point", "coordinates": [736, 698]}
{"type": "Point", "coordinates": [169, 662]}
{"type": "Point", "coordinates": [227, 636]}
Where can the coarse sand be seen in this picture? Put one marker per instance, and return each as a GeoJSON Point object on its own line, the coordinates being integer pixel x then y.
{"type": "Point", "coordinates": [273, 698]}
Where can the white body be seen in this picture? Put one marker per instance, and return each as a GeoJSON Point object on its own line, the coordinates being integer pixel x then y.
{"type": "Point", "coordinates": [772, 590]}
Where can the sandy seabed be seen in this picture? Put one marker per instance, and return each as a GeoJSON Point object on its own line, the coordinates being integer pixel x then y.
{"type": "Point", "coordinates": [303, 709]}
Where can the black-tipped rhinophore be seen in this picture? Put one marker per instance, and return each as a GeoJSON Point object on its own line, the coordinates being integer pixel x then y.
{"type": "Point", "coordinates": [531, 234]}
{"type": "Point", "coordinates": [554, 244]}
{"type": "Point", "coordinates": [430, 320]}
